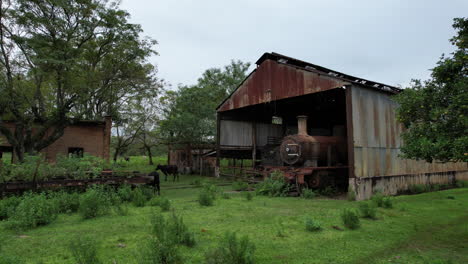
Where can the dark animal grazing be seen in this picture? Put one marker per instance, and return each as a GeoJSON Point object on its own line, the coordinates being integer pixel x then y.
{"type": "Point", "coordinates": [169, 170]}
{"type": "Point", "coordinates": [155, 182]}
{"type": "Point", "coordinates": [127, 159]}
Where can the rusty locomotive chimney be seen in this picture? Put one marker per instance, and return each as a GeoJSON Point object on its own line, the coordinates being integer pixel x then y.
{"type": "Point", "coordinates": [302, 125]}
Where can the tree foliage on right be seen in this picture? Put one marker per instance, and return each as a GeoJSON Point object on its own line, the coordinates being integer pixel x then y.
{"type": "Point", "coordinates": [435, 112]}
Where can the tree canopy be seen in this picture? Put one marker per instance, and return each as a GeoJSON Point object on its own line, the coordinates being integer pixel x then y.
{"type": "Point", "coordinates": [190, 115]}
{"type": "Point", "coordinates": [66, 60]}
{"type": "Point", "coordinates": [435, 112]}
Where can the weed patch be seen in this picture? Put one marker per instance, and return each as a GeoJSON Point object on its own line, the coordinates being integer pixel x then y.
{"type": "Point", "coordinates": [350, 219]}
{"type": "Point", "coordinates": [368, 210]}
{"type": "Point", "coordinates": [84, 250]}
{"type": "Point", "coordinates": [33, 210]}
{"type": "Point", "coordinates": [312, 225]}
{"type": "Point", "coordinates": [232, 250]}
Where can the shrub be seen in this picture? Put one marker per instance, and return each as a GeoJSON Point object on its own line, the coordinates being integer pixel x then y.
{"type": "Point", "coordinates": [138, 198]}
{"type": "Point", "coordinates": [180, 231]}
{"type": "Point", "coordinates": [162, 246]}
{"type": "Point", "coordinates": [125, 192]}
{"type": "Point", "coordinates": [418, 188]}
{"type": "Point", "coordinates": [226, 195]}
{"type": "Point", "coordinates": [275, 185]}
{"type": "Point", "coordinates": [232, 250]}
{"type": "Point", "coordinates": [308, 194]}
{"type": "Point", "coordinates": [312, 225]}
{"type": "Point", "coordinates": [7, 206]}
{"type": "Point", "coordinates": [66, 202]}
{"type": "Point", "coordinates": [33, 210]}
{"type": "Point", "coordinates": [240, 186]}
{"type": "Point", "coordinates": [387, 202]}
{"type": "Point", "coordinates": [84, 250]}
{"type": "Point", "coordinates": [350, 219]}
{"type": "Point", "coordinates": [207, 195]}
{"type": "Point", "coordinates": [248, 196]}
{"type": "Point", "coordinates": [351, 195]}
{"type": "Point", "coordinates": [165, 204]}
{"type": "Point", "coordinates": [329, 191]}
{"type": "Point", "coordinates": [378, 199]}
{"type": "Point", "coordinates": [367, 210]}
{"type": "Point", "coordinates": [451, 197]}
{"type": "Point", "coordinates": [121, 209]}
{"type": "Point", "coordinates": [462, 184]}
{"type": "Point", "coordinates": [94, 202]}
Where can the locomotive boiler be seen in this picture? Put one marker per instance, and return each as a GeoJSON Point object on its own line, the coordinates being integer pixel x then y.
{"type": "Point", "coordinates": [311, 161]}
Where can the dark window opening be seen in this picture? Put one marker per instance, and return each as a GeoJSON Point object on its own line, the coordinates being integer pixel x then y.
{"type": "Point", "coordinates": [75, 152]}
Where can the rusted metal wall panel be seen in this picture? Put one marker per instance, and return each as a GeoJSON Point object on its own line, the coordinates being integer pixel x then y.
{"type": "Point", "coordinates": [377, 138]}
{"type": "Point", "coordinates": [239, 133]}
{"type": "Point", "coordinates": [267, 130]}
{"type": "Point", "coordinates": [235, 133]}
{"type": "Point", "coordinates": [274, 81]}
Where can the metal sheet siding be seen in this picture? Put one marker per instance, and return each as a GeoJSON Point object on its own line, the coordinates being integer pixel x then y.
{"type": "Point", "coordinates": [236, 133]}
{"type": "Point", "coordinates": [377, 138]}
{"type": "Point", "coordinates": [274, 81]}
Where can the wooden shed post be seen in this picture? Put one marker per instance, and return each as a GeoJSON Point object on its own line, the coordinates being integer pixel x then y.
{"type": "Point", "coordinates": [254, 143]}
{"type": "Point", "coordinates": [218, 147]}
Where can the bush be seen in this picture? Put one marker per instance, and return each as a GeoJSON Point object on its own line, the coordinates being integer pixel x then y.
{"type": "Point", "coordinates": [275, 185]}
{"type": "Point", "coordinates": [165, 204]}
{"type": "Point", "coordinates": [232, 250]}
{"type": "Point", "coordinates": [84, 250]}
{"type": "Point", "coordinates": [312, 225]}
{"type": "Point", "coordinates": [66, 202]}
{"type": "Point", "coordinates": [125, 193]}
{"type": "Point", "coordinates": [121, 209]}
{"type": "Point", "coordinates": [180, 231]}
{"type": "Point", "coordinates": [350, 219]}
{"type": "Point", "coordinates": [248, 196]}
{"type": "Point", "coordinates": [8, 206]}
{"type": "Point", "coordinates": [226, 195]}
{"type": "Point", "coordinates": [138, 198]}
{"type": "Point", "coordinates": [462, 184]}
{"type": "Point", "coordinates": [378, 199]}
{"type": "Point", "coordinates": [387, 202]}
{"type": "Point", "coordinates": [367, 210]}
{"type": "Point", "coordinates": [162, 246]}
{"type": "Point", "coordinates": [351, 195]}
{"type": "Point", "coordinates": [240, 186]}
{"type": "Point", "coordinates": [33, 210]}
{"type": "Point", "coordinates": [308, 194]}
{"type": "Point", "coordinates": [207, 195]}
{"type": "Point", "coordinates": [329, 191]}
{"type": "Point", "coordinates": [94, 202]}
{"type": "Point", "coordinates": [418, 188]}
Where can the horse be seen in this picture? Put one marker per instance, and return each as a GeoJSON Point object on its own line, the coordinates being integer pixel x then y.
{"type": "Point", "coordinates": [169, 170]}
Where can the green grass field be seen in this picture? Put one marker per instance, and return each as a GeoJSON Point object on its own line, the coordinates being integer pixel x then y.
{"type": "Point", "coordinates": [425, 228]}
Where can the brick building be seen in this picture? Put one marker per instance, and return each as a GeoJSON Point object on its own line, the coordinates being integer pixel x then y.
{"type": "Point", "coordinates": [90, 137]}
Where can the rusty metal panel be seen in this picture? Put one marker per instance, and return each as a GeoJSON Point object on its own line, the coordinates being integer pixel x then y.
{"type": "Point", "coordinates": [267, 130]}
{"type": "Point", "coordinates": [273, 80]}
{"type": "Point", "coordinates": [235, 133]}
{"type": "Point", "coordinates": [377, 138]}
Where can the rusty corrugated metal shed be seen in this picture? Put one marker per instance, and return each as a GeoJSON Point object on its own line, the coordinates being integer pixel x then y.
{"type": "Point", "coordinates": [280, 77]}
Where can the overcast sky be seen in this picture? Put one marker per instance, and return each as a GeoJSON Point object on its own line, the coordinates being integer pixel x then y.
{"type": "Point", "coordinates": [385, 41]}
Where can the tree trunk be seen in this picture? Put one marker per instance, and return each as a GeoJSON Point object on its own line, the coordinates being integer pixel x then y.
{"type": "Point", "coordinates": [150, 155]}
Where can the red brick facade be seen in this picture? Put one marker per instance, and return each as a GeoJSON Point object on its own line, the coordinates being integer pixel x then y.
{"type": "Point", "coordinates": [91, 136]}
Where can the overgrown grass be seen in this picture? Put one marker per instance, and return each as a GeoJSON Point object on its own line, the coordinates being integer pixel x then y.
{"type": "Point", "coordinates": [422, 228]}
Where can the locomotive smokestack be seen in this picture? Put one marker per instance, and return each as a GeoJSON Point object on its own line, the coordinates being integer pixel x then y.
{"type": "Point", "coordinates": [302, 125]}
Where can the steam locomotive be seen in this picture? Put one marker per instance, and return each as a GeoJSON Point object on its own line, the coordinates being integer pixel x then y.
{"type": "Point", "coordinates": [309, 161]}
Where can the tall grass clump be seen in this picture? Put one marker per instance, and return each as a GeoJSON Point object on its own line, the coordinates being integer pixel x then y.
{"type": "Point", "coordinates": [462, 184]}
{"type": "Point", "coordinates": [308, 194]}
{"type": "Point", "coordinates": [275, 185]}
{"type": "Point", "coordinates": [350, 219]}
{"type": "Point", "coordinates": [84, 250]}
{"type": "Point", "coordinates": [382, 201]}
{"type": "Point", "coordinates": [180, 231]}
{"type": "Point", "coordinates": [125, 192]}
{"type": "Point", "coordinates": [312, 225]}
{"type": "Point", "coordinates": [8, 206]}
{"type": "Point", "coordinates": [207, 195]}
{"type": "Point", "coordinates": [351, 195]}
{"type": "Point", "coordinates": [138, 198]}
{"type": "Point", "coordinates": [418, 188]}
{"type": "Point", "coordinates": [232, 250]}
{"type": "Point", "coordinates": [249, 196]}
{"type": "Point", "coordinates": [33, 210]}
{"type": "Point", "coordinates": [161, 246]}
{"type": "Point", "coordinates": [94, 202]}
{"type": "Point", "coordinates": [368, 210]}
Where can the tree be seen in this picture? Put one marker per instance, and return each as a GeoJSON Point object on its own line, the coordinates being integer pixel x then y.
{"type": "Point", "coordinates": [190, 112]}
{"type": "Point", "coordinates": [61, 61]}
{"type": "Point", "coordinates": [435, 112]}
